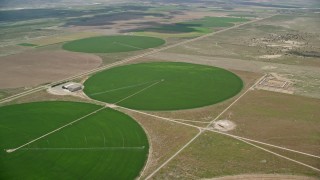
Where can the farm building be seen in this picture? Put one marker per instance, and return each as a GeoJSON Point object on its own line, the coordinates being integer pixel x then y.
{"type": "Point", "coordinates": [72, 87]}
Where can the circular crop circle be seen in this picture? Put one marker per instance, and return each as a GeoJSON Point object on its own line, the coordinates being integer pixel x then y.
{"type": "Point", "coordinates": [113, 44]}
{"type": "Point", "coordinates": [163, 86]}
{"type": "Point", "coordinates": [94, 143]}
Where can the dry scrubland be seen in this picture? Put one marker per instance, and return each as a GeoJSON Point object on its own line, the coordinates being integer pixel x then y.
{"type": "Point", "coordinates": [214, 155]}
{"type": "Point", "coordinates": [280, 119]}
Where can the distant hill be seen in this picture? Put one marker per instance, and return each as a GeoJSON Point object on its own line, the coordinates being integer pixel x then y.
{"type": "Point", "coordinates": [11, 4]}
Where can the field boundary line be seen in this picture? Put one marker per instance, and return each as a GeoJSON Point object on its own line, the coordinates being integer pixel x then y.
{"type": "Point", "coordinates": [139, 91]}
{"type": "Point", "coordinates": [51, 132]}
{"type": "Point", "coordinates": [125, 87]}
{"type": "Point", "coordinates": [98, 69]}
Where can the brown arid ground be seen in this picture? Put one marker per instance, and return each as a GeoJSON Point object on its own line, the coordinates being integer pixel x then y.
{"type": "Point", "coordinates": [165, 138]}
{"type": "Point", "coordinates": [263, 177]}
{"type": "Point", "coordinates": [280, 119]}
{"type": "Point", "coordinates": [213, 155]}
{"type": "Point", "coordinates": [35, 68]}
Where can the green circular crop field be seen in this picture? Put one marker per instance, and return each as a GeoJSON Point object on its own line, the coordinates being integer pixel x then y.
{"type": "Point", "coordinates": [163, 86]}
{"type": "Point", "coordinates": [105, 145]}
{"type": "Point", "coordinates": [112, 44]}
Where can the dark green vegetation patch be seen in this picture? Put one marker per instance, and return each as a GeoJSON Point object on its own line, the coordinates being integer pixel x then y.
{"type": "Point", "coordinates": [163, 86]}
{"type": "Point", "coordinates": [27, 44]}
{"type": "Point", "coordinates": [203, 25]}
{"type": "Point", "coordinates": [111, 44]}
{"type": "Point", "coordinates": [104, 145]}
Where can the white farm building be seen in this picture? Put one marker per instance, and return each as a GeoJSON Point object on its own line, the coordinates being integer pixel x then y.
{"type": "Point", "coordinates": [73, 87]}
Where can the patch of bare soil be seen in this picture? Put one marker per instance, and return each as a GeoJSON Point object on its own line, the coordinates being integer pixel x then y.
{"type": "Point", "coordinates": [34, 68]}
{"type": "Point", "coordinates": [274, 56]}
{"type": "Point", "coordinates": [263, 177]}
{"type": "Point", "coordinates": [277, 83]}
{"type": "Point", "coordinates": [224, 125]}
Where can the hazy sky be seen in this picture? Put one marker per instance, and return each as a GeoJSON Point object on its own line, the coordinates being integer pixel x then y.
{"type": "Point", "coordinates": [44, 3]}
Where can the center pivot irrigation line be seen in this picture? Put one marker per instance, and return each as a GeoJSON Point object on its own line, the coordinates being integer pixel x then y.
{"type": "Point", "coordinates": [51, 132]}
{"type": "Point", "coordinates": [81, 149]}
{"type": "Point", "coordinates": [121, 88]}
{"type": "Point", "coordinates": [127, 45]}
{"type": "Point", "coordinates": [139, 91]}
{"type": "Point", "coordinates": [154, 51]}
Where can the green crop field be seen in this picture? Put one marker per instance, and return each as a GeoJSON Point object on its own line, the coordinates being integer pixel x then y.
{"type": "Point", "coordinates": [203, 25]}
{"type": "Point", "coordinates": [112, 44]}
{"type": "Point", "coordinates": [105, 145]}
{"type": "Point", "coordinates": [27, 44]}
{"type": "Point", "coordinates": [163, 86]}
